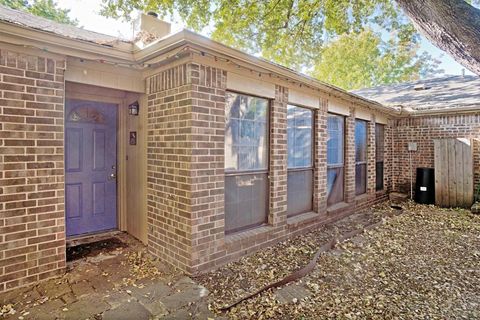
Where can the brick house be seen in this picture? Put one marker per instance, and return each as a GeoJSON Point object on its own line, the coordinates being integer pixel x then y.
{"type": "Point", "coordinates": [438, 108]}
{"type": "Point", "coordinates": [200, 151]}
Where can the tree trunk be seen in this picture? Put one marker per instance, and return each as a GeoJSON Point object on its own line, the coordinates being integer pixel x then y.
{"type": "Point", "coordinates": [451, 25]}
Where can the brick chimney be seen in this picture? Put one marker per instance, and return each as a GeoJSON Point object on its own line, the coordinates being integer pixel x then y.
{"type": "Point", "coordinates": [148, 28]}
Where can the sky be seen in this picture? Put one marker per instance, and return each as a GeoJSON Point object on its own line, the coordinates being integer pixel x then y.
{"type": "Point", "coordinates": [87, 13]}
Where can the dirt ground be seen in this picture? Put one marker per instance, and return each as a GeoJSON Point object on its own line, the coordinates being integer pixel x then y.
{"type": "Point", "coordinates": [421, 264]}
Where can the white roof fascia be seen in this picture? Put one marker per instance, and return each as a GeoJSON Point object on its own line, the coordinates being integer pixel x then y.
{"type": "Point", "coordinates": [157, 51]}
{"type": "Point", "coordinates": [54, 43]}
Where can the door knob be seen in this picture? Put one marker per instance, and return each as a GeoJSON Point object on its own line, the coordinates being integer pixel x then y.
{"type": "Point", "coordinates": [112, 176]}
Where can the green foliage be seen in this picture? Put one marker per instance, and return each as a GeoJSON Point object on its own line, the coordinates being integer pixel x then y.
{"type": "Point", "coordinates": [296, 33]}
{"type": "Point", "coordinates": [43, 8]}
{"type": "Point", "coordinates": [363, 59]}
{"type": "Point", "coordinates": [14, 4]}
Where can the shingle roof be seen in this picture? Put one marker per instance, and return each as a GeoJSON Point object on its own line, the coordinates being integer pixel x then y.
{"type": "Point", "coordinates": [28, 20]}
{"type": "Point", "coordinates": [439, 93]}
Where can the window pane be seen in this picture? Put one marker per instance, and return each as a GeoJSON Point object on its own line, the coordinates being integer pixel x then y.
{"type": "Point", "coordinates": [299, 137]}
{"type": "Point", "coordinates": [335, 159]}
{"type": "Point", "coordinates": [231, 158]}
{"type": "Point", "coordinates": [379, 154]}
{"type": "Point", "coordinates": [379, 175]}
{"type": "Point", "coordinates": [360, 157]}
{"type": "Point", "coordinates": [379, 141]}
{"type": "Point", "coordinates": [360, 178]}
{"type": "Point", "coordinates": [335, 139]}
{"type": "Point", "coordinates": [300, 192]}
{"type": "Point", "coordinates": [334, 185]}
{"type": "Point", "coordinates": [360, 141]}
{"type": "Point", "coordinates": [245, 201]}
{"type": "Point", "coordinates": [246, 133]}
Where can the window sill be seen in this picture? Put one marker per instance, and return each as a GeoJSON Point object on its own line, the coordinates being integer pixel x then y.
{"type": "Point", "coordinates": [337, 206]}
{"type": "Point", "coordinates": [303, 218]}
{"type": "Point", "coordinates": [361, 197]}
{"type": "Point", "coordinates": [247, 234]}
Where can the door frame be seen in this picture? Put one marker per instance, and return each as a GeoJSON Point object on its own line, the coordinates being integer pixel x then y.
{"type": "Point", "coordinates": [121, 99]}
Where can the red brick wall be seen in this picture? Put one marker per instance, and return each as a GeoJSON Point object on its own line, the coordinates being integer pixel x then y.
{"type": "Point", "coordinates": [185, 174]}
{"type": "Point", "coordinates": [423, 130]}
{"type": "Point", "coordinates": [320, 158]}
{"type": "Point", "coordinates": [371, 172]}
{"type": "Point", "coordinates": [168, 190]}
{"type": "Point", "coordinates": [280, 227]}
{"type": "Point", "coordinates": [476, 168]}
{"type": "Point", "coordinates": [350, 157]}
{"type": "Point", "coordinates": [186, 127]}
{"type": "Point", "coordinates": [278, 159]}
{"type": "Point", "coordinates": [352, 201]}
{"type": "Point", "coordinates": [388, 157]}
{"type": "Point", "coordinates": [32, 238]}
{"type": "Point", "coordinates": [208, 136]}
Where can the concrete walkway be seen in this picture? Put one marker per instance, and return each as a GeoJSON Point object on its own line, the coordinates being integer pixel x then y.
{"type": "Point", "coordinates": [124, 283]}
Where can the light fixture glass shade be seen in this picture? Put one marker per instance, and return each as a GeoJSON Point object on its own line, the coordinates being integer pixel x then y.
{"type": "Point", "coordinates": [133, 109]}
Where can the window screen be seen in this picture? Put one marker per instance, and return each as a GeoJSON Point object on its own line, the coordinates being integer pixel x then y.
{"type": "Point", "coordinates": [300, 191]}
{"type": "Point", "coordinates": [379, 155]}
{"type": "Point", "coordinates": [246, 138]}
{"type": "Point", "coordinates": [245, 201]}
{"type": "Point", "coordinates": [299, 139]}
{"type": "Point", "coordinates": [246, 161]}
{"type": "Point", "coordinates": [300, 160]}
{"type": "Point", "coordinates": [360, 157]}
{"type": "Point", "coordinates": [335, 159]}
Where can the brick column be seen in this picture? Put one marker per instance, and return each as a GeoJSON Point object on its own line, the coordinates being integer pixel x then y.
{"type": "Point", "coordinates": [278, 158]}
{"type": "Point", "coordinates": [32, 219]}
{"type": "Point", "coordinates": [320, 158]}
{"type": "Point", "coordinates": [395, 155]}
{"type": "Point", "coordinates": [371, 172]}
{"type": "Point", "coordinates": [185, 173]}
{"type": "Point", "coordinates": [350, 157]}
{"type": "Point", "coordinates": [388, 157]}
{"type": "Point", "coordinates": [168, 164]}
{"type": "Point", "coordinates": [207, 165]}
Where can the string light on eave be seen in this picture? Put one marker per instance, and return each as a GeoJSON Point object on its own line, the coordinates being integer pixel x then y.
{"type": "Point", "coordinates": [216, 58]}
{"type": "Point", "coordinates": [259, 73]}
{"type": "Point", "coordinates": [192, 51]}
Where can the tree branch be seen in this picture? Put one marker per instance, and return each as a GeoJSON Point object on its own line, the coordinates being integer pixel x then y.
{"type": "Point", "coordinates": [451, 25]}
{"type": "Point", "coordinates": [289, 12]}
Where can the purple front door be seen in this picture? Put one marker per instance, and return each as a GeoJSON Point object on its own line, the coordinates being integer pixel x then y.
{"type": "Point", "coordinates": [90, 166]}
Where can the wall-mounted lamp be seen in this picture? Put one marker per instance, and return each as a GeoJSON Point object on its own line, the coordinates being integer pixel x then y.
{"type": "Point", "coordinates": [133, 108]}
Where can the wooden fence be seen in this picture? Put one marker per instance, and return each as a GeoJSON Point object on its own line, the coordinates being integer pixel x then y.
{"type": "Point", "coordinates": [453, 172]}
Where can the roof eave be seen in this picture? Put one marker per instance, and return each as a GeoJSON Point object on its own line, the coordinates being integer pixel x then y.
{"type": "Point", "coordinates": [58, 44]}
{"type": "Point", "coordinates": [444, 111]}
{"type": "Point", "coordinates": [130, 54]}
{"type": "Point", "coordinates": [217, 48]}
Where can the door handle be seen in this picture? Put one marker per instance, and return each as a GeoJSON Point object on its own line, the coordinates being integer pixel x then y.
{"type": "Point", "coordinates": [112, 176]}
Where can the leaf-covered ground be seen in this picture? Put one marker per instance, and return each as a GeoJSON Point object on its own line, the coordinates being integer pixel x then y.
{"type": "Point", "coordinates": [422, 264]}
